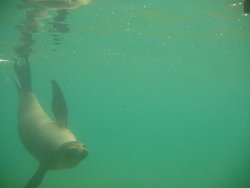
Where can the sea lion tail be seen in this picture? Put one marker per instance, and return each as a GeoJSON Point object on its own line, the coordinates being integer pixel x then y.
{"type": "Point", "coordinates": [37, 178]}
{"type": "Point", "coordinates": [22, 70]}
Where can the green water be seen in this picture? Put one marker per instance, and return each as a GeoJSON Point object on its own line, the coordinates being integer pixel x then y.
{"type": "Point", "coordinates": [158, 90]}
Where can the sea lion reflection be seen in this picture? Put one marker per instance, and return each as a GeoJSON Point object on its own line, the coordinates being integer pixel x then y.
{"type": "Point", "coordinates": [35, 12]}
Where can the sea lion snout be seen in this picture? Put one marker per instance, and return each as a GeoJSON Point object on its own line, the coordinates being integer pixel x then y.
{"type": "Point", "coordinates": [77, 152]}
{"type": "Point", "coordinates": [69, 155]}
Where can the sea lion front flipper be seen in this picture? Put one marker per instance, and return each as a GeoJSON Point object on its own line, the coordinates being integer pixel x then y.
{"type": "Point", "coordinates": [59, 106]}
{"type": "Point", "coordinates": [37, 178]}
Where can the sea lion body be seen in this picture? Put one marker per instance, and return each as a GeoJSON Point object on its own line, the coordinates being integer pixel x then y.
{"type": "Point", "coordinates": [50, 142]}
{"type": "Point", "coordinates": [40, 135]}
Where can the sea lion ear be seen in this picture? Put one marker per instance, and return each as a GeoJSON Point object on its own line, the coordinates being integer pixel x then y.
{"type": "Point", "coordinates": [59, 107]}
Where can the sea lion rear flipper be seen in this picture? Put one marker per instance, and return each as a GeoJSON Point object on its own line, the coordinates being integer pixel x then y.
{"type": "Point", "coordinates": [24, 75]}
{"type": "Point", "coordinates": [16, 84]}
{"type": "Point", "coordinates": [37, 178]}
{"type": "Point", "coordinates": [59, 107]}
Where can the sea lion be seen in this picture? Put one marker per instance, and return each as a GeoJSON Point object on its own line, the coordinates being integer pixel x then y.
{"type": "Point", "coordinates": [50, 142]}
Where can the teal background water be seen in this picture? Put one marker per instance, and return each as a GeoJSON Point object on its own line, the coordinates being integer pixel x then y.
{"type": "Point", "coordinates": [159, 91]}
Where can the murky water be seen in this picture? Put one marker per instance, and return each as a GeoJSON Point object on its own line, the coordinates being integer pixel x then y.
{"type": "Point", "coordinates": [158, 90]}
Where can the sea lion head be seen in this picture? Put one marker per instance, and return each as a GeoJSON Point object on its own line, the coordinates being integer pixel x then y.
{"type": "Point", "coordinates": [69, 155]}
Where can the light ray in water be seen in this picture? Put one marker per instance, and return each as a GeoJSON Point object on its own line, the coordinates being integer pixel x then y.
{"type": "Point", "coordinates": [4, 60]}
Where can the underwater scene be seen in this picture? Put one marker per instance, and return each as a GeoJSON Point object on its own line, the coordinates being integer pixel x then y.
{"type": "Point", "coordinates": [145, 94]}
